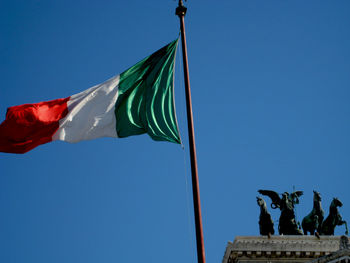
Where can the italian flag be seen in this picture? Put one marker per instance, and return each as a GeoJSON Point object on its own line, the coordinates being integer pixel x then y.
{"type": "Point", "coordinates": [139, 100]}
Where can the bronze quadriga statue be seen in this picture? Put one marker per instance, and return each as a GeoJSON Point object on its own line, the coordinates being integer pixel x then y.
{"type": "Point", "coordinates": [312, 223]}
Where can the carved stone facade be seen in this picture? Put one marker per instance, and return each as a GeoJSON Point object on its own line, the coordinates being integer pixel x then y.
{"type": "Point", "coordinates": [288, 249]}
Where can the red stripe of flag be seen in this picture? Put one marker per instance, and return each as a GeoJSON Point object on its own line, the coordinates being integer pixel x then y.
{"type": "Point", "coordinates": [29, 125]}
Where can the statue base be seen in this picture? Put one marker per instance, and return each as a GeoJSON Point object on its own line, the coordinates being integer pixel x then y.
{"type": "Point", "coordinates": [248, 249]}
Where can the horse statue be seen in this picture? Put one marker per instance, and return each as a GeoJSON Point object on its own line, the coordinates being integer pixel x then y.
{"type": "Point", "coordinates": [313, 221]}
{"type": "Point", "coordinates": [265, 220]}
{"type": "Point", "coordinates": [333, 219]}
{"type": "Point", "coordinates": [287, 224]}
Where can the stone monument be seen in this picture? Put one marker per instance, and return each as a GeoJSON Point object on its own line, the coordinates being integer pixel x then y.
{"type": "Point", "coordinates": [288, 249]}
{"type": "Point", "coordinates": [292, 245]}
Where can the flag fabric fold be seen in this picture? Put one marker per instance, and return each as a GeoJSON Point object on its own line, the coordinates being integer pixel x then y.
{"type": "Point", "coordinates": [139, 100]}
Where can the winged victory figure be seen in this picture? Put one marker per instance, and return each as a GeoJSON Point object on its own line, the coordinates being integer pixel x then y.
{"type": "Point", "coordinates": [287, 224]}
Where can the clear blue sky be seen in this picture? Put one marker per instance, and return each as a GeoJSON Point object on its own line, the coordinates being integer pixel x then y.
{"type": "Point", "coordinates": [270, 88]}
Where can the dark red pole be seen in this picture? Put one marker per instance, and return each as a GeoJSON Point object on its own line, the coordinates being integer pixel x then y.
{"type": "Point", "coordinates": [181, 12]}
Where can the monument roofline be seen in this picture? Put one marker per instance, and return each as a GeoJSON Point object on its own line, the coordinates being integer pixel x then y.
{"type": "Point", "coordinates": [292, 248]}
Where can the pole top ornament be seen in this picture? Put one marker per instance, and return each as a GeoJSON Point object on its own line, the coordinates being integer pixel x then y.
{"type": "Point", "coordinates": [181, 9]}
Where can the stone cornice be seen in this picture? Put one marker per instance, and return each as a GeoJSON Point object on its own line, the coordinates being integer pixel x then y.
{"type": "Point", "coordinates": [300, 248]}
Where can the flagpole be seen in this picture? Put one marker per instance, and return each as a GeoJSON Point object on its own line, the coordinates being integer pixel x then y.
{"type": "Point", "coordinates": [181, 12]}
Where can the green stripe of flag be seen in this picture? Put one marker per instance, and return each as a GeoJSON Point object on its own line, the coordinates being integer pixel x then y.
{"type": "Point", "coordinates": [145, 101]}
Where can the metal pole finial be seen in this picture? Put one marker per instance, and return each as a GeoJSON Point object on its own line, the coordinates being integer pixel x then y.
{"type": "Point", "coordinates": [181, 9]}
